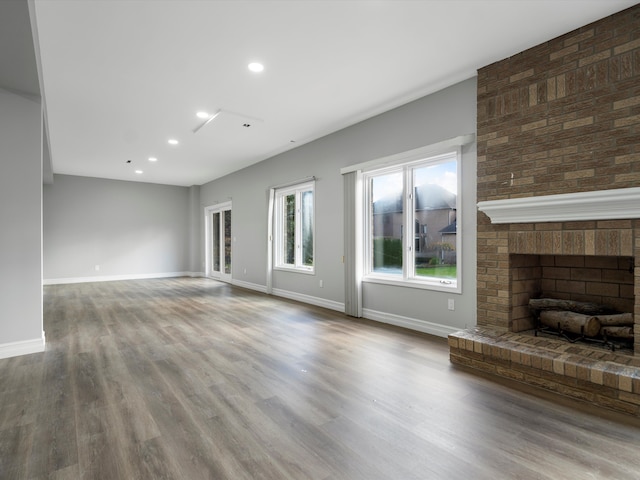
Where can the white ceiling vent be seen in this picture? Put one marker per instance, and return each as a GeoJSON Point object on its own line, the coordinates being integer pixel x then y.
{"type": "Point", "coordinates": [229, 119]}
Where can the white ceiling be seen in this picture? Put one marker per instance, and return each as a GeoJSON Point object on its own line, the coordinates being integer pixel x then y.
{"type": "Point", "coordinates": [121, 77]}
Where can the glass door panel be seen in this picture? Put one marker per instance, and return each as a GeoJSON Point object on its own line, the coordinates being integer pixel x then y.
{"type": "Point", "coordinates": [227, 242]}
{"type": "Point", "coordinates": [215, 242]}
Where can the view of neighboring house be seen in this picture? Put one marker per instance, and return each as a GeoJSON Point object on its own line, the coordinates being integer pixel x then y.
{"type": "Point", "coordinates": [435, 222]}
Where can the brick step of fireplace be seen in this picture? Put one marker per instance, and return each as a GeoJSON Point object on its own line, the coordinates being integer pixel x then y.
{"type": "Point", "coordinates": [595, 375]}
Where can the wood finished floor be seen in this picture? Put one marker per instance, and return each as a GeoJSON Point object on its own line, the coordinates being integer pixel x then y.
{"type": "Point", "coordinates": [193, 379]}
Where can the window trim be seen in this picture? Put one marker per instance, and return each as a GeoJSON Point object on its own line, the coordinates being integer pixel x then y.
{"type": "Point", "coordinates": [279, 225]}
{"type": "Point", "coordinates": [406, 165]}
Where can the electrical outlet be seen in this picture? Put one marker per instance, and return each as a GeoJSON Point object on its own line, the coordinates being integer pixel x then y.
{"type": "Point", "coordinates": [97, 267]}
{"type": "Point", "coordinates": [321, 283]}
{"type": "Point", "coordinates": [245, 271]}
{"type": "Point", "coordinates": [451, 304]}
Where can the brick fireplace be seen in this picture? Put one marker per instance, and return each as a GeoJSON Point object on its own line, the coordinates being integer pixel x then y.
{"type": "Point", "coordinates": [559, 125]}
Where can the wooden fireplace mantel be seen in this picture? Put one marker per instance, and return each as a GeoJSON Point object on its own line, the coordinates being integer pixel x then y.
{"type": "Point", "coordinates": [621, 203]}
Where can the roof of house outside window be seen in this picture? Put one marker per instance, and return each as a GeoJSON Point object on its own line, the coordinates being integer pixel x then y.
{"type": "Point", "coordinates": [428, 197]}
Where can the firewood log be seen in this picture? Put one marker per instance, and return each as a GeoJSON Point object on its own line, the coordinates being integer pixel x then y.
{"type": "Point", "coordinates": [617, 332]}
{"type": "Point", "coordinates": [616, 320]}
{"type": "Point", "coordinates": [571, 322]}
{"type": "Point", "coordinates": [570, 305]}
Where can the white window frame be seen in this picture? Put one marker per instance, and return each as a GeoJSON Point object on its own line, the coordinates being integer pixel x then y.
{"type": "Point", "coordinates": [280, 225]}
{"type": "Point", "coordinates": [408, 278]}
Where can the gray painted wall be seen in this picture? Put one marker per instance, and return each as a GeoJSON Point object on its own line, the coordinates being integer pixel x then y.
{"type": "Point", "coordinates": [127, 228]}
{"type": "Point", "coordinates": [21, 219]}
{"type": "Point", "coordinates": [431, 119]}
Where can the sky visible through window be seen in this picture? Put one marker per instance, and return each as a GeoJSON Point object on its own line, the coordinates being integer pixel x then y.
{"type": "Point", "coordinates": [443, 174]}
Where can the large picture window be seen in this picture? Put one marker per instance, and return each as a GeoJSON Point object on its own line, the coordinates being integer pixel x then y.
{"type": "Point", "coordinates": [412, 232]}
{"type": "Point", "coordinates": [294, 228]}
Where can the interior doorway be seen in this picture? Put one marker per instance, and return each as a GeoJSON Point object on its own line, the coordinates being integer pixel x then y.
{"type": "Point", "coordinates": [218, 241]}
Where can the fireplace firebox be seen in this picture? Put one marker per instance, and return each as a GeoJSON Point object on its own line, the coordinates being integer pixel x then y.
{"type": "Point", "coordinates": [605, 281]}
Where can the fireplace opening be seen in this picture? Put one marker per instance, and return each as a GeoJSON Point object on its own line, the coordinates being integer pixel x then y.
{"type": "Point", "coordinates": [605, 281]}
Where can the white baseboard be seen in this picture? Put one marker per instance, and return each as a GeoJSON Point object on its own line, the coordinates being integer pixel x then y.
{"type": "Point", "coordinates": [301, 297]}
{"type": "Point", "coordinates": [193, 274]}
{"type": "Point", "coordinates": [389, 318]}
{"type": "Point", "coordinates": [410, 323]}
{"type": "Point", "coordinates": [249, 286]}
{"type": "Point", "coordinates": [115, 278]}
{"type": "Point", "coordinates": [24, 347]}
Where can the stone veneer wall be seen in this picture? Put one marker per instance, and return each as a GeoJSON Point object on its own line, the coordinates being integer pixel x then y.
{"type": "Point", "coordinates": [561, 117]}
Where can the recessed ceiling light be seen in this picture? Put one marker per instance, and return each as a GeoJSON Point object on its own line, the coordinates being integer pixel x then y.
{"type": "Point", "coordinates": [139, 172]}
{"type": "Point", "coordinates": [153, 159]}
{"type": "Point", "coordinates": [172, 141]}
{"type": "Point", "coordinates": [256, 67]}
{"type": "Point", "coordinates": [202, 115]}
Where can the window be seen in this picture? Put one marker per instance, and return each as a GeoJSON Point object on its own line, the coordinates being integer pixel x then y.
{"type": "Point", "coordinates": [416, 194]}
{"type": "Point", "coordinates": [294, 228]}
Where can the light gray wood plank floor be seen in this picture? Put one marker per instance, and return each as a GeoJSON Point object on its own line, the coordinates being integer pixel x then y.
{"type": "Point", "coordinates": [195, 379]}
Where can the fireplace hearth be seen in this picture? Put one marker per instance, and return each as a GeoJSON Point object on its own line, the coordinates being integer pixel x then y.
{"type": "Point", "coordinates": [595, 375]}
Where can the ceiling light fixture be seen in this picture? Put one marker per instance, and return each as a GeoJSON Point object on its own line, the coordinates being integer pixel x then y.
{"type": "Point", "coordinates": [256, 67]}
{"type": "Point", "coordinates": [153, 159]}
{"type": "Point", "coordinates": [172, 141]}
{"type": "Point", "coordinates": [209, 118]}
{"type": "Point", "coordinates": [139, 172]}
{"type": "Point", "coordinates": [202, 115]}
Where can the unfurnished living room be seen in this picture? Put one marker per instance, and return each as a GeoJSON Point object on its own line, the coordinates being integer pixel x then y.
{"type": "Point", "coordinates": [316, 239]}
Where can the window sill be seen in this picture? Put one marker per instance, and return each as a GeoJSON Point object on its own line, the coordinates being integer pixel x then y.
{"type": "Point", "coordinates": [304, 271]}
{"type": "Point", "coordinates": [453, 287]}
